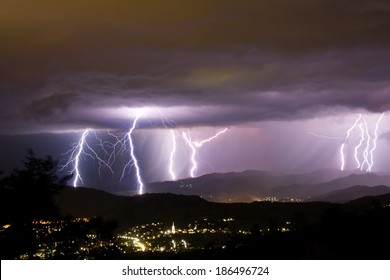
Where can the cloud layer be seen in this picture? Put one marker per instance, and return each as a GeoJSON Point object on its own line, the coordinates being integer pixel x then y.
{"type": "Point", "coordinates": [220, 62]}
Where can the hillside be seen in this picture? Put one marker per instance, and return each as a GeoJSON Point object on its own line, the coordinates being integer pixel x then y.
{"type": "Point", "coordinates": [352, 193]}
{"type": "Point", "coordinates": [252, 185]}
{"type": "Point", "coordinates": [149, 208]}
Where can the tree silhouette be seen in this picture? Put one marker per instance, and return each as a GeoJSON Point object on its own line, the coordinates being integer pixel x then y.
{"type": "Point", "coordinates": [26, 195]}
{"type": "Point", "coordinates": [31, 188]}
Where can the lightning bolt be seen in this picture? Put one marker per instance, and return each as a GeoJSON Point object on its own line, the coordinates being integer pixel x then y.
{"type": "Point", "coordinates": [126, 144]}
{"type": "Point", "coordinates": [200, 144]}
{"type": "Point", "coordinates": [342, 155]}
{"type": "Point", "coordinates": [366, 150]}
{"type": "Point", "coordinates": [134, 158]}
{"type": "Point", "coordinates": [169, 123]}
{"type": "Point", "coordinates": [375, 142]}
{"type": "Point", "coordinates": [366, 140]}
{"type": "Point", "coordinates": [172, 156]}
{"type": "Point", "coordinates": [359, 145]}
{"type": "Point", "coordinates": [187, 138]}
{"type": "Point", "coordinates": [77, 158]}
{"type": "Point", "coordinates": [196, 145]}
{"type": "Point", "coordinates": [324, 136]}
{"type": "Point", "coordinates": [82, 148]}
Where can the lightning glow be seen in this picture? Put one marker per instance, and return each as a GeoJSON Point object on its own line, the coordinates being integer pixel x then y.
{"type": "Point", "coordinates": [195, 145]}
{"type": "Point", "coordinates": [172, 156]}
{"type": "Point", "coordinates": [342, 157]}
{"type": "Point", "coordinates": [324, 136]}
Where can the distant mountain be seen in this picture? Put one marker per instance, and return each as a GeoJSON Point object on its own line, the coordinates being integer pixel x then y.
{"type": "Point", "coordinates": [352, 193]}
{"type": "Point", "coordinates": [309, 191]}
{"type": "Point", "coordinates": [248, 186]}
{"type": "Point", "coordinates": [257, 185]}
{"type": "Point", "coordinates": [244, 186]}
{"type": "Point", "coordinates": [366, 179]}
{"type": "Point", "coordinates": [314, 177]}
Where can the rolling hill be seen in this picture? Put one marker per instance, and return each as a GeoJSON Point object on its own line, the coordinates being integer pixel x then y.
{"type": "Point", "coordinates": [258, 185]}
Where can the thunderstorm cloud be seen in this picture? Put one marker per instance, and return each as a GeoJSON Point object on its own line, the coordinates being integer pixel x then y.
{"type": "Point", "coordinates": [223, 62]}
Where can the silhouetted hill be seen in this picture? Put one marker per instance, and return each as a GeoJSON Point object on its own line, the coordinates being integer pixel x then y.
{"type": "Point", "coordinates": [181, 209]}
{"type": "Point", "coordinates": [244, 186]}
{"type": "Point", "coordinates": [316, 230]}
{"type": "Point", "coordinates": [184, 208]}
{"type": "Point", "coordinates": [85, 202]}
{"type": "Point", "coordinates": [352, 193]}
{"type": "Point", "coordinates": [310, 191]}
{"type": "Point", "coordinates": [383, 199]}
{"type": "Point", "coordinates": [128, 210]}
{"type": "Point", "coordinates": [256, 185]}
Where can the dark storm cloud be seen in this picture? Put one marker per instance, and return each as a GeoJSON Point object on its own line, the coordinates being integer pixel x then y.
{"type": "Point", "coordinates": [250, 61]}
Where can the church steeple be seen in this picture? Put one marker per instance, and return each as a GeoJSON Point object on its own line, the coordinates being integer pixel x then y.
{"type": "Point", "coordinates": [173, 228]}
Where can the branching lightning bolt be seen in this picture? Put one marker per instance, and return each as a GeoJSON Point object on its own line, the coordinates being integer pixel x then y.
{"type": "Point", "coordinates": [200, 144]}
{"type": "Point", "coordinates": [126, 144]}
{"type": "Point", "coordinates": [370, 144]}
{"type": "Point", "coordinates": [82, 148]}
{"type": "Point", "coordinates": [77, 176]}
{"type": "Point", "coordinates": [194, 145]}
{"type": "Point", "coordinates": [375, 142]}
{"type": "Point", "coordinates": [366, 150]}
{"type": "Point", "coordinates": [342, 156]}
{"type": "Point", "coordinates": [169, 123]}
{"type": "Point", "coordinates": [187, 138]}
{"type": "Point", "coordinates": [359, 145]}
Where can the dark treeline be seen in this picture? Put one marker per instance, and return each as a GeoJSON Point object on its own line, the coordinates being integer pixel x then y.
{"type": "Point", "coordinates": [26, 195]}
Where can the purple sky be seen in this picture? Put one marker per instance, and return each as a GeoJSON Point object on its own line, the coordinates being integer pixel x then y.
{"type": "Point", "coordinates": [271, 71]}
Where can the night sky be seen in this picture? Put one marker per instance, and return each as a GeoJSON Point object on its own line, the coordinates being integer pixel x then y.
{"type": "Point", "coordinates": [275, 73]}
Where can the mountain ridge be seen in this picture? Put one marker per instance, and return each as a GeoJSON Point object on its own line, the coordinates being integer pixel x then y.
{"type": "Point", "coordinates": [253, 185]}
